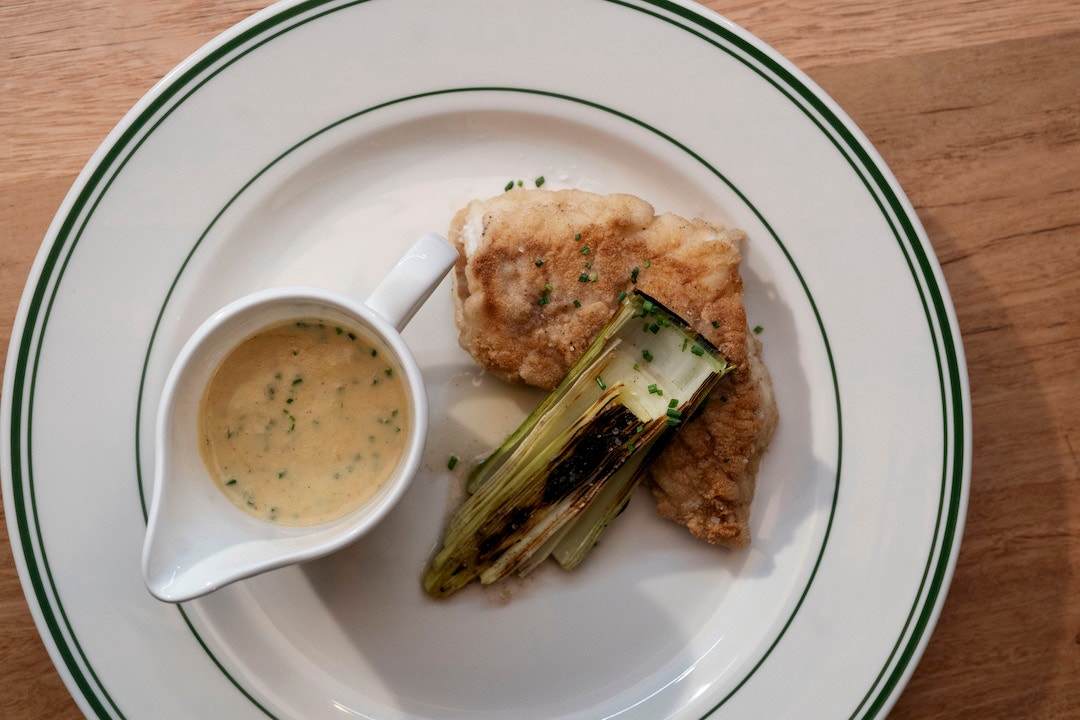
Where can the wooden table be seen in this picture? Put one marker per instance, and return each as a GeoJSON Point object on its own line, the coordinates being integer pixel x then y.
{"type": "Point", "coordinates": [975, 105]}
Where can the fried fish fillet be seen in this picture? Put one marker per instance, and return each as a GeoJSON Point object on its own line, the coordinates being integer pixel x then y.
{"type": "Point", "coordinates": [540, 273]}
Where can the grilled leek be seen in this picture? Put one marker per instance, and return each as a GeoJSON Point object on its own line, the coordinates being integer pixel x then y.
{"type": "Point", "coordinates": [572, 465]}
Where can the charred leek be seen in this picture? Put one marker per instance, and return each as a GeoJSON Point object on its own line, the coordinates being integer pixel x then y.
{"type": "Point", "coordinates": [570, 468]}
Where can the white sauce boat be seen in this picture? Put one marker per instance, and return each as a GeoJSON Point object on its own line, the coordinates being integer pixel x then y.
{"type": "Point", "coordinates": [196, 539]}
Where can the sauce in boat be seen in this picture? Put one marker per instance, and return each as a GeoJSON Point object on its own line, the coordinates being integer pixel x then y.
{"type": "Point", "coordinates": [303, 422]}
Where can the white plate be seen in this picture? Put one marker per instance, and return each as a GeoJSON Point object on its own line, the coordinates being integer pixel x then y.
{"type": "Point", "coordinates": [311, 144]}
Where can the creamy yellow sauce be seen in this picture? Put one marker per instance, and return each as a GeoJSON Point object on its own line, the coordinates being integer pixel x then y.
{"type": "Point", "coordinates": [303, 422]}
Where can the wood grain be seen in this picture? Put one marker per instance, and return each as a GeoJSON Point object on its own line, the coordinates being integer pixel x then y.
{"type": "Point", "coordinates": [976, 108]}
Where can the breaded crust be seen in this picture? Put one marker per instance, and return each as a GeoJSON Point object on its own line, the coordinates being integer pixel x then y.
{"type": "Point", "coordinates": [706, 477]}
{"type": "Point", "coordinates": [539, 275]}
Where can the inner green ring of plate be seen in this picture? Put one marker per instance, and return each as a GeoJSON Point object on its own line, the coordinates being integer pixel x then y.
{"type": "Point", "coordinates": [556, 96]}
{"type": "Point", "coordinates": [201, 69]}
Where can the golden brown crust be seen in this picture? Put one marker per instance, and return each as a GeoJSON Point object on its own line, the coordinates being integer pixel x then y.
{"type": "Point", "coordinates": [706, 478]}
{"type": "Point", "coordinates": [539, 275]}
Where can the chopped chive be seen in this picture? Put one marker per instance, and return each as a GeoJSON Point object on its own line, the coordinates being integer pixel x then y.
{"type": "Point", "coordinates": [698, 350]}
{"type": "Point", "coordinates": [639, 428]}
{"type": "Point", "coordinates": [758, 329]}
{"type": "Point", "coordinates": [544, 300]}
{"type": "Point", "coordinates": [685, 342]}
{"type": "Point", "coordinates": [673, 403]}
{"type": "Point", "coordinates": [673, 421]}
{"type": "Point", "coordinates": [232, 481]}
{"type": "Point", "coordinates": [633, 275]}
{"type": "Point", "coordinates": [577, 237]}
{"type": "Point", "coordinates": [548, 287]}
{"type": "Point", "coordinates": [540, 181]}
{"type": "Point", "coordinates": [297, 380]}
{"type": "Point", "coordinates": [715, 323]}
{"type": "Point", "coordinates": [636, 366]}
{"type": "Point", "coordinates": [600, 382]}
{"type": "Point", "coordinates": [520, 183]}
{"type": "Point", "coordinates": [654, 328]}
{"type": "Point", "coordinates": [509, 186]}
{"type": "Point", "coordinates": [577, 303]}
{"type": "Point", "coordinates": [653, 389]}
{"type": "Point", "coordinates": [622, 296]}
{"type": "Point", "coordinates": [539, 263]}
{"type": "Point", "coordinates": [583, 278]}
{"type": "Point", "coordinates": [647, 355]}
{"type": "Point", "coordinates": [451, 462]}
{"type": "Point", "coordinates": [648, 306]}
{"type": "Point", "coordinates": [630, 445]}
{"type": "Point", "coordinates": [674, 413]}
{"type": "Point", "coordinates": [585, 250]}
{"type": "Point", "coordinates": [339, 331]}
{"type": "Point", "coordinates": [648, 263]}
